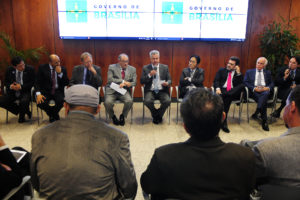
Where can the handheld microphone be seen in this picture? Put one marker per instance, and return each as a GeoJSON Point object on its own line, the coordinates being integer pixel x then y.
{"type": "Point", "coordinates": [154, 68]}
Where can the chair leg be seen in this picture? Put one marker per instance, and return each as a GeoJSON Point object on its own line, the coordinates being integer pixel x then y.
{"type": "Point", "coordinates": [233, 111]}
{"type": "Point", "coordinates": [177, 114]}
{"type": "Point", "coordinates": [131, 113]}
{"type": "Point", "coordinates": [169, 113]}
{"type": "Point", "coordinates": [248, 111]}
{"type": "Point", "coordinates": [38, 115]}
{"type": "Point", "coordinates": [143, 113]}
{"type": "Point", "coordinates": [240, 112]}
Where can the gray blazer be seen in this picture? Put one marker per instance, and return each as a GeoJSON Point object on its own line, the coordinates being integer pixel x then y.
{"type": "Point", "coordinates": [77, 76]}
{"type": "Point", "coordinates": [82, 158]}
{"type": "Point", "coordinates": [114, 75]}
{"type": "Point", "coordinates": [164, 74]}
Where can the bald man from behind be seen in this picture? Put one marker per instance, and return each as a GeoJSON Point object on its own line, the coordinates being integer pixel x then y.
{"type": "Point", "coordinates": [50, 82]}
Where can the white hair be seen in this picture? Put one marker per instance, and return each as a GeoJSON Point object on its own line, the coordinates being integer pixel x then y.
{"type": "Point", "coordinates": [266, 60]}
{"type": "Point", "coordinates": [153, 52]}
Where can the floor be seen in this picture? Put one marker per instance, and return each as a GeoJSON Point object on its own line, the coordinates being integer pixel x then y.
{"type": "Point", "coordinates": [144, 138]}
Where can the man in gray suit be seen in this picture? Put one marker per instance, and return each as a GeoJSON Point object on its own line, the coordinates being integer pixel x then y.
{"type": "Point", "coordinates": [80, 157]}
{"type": "Point", "coordinates": [86, 73]}
{"type": "Point", "coordinates": [157, 79]}
{"type": "Point", "coordinates": [123, 75]}
{"type": "Point", "coordinates": [278, 158]}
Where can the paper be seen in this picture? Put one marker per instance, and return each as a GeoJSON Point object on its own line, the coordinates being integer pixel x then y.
{"type": "Point", "coordinates": [117, 88]}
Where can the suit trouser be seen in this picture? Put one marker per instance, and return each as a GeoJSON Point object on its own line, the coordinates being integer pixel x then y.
{"type": "Point", "coordinates": [8, 102]}
{"type": "Point", "coordinates": [164, 99]}
{"type": "Point", "coordinates": [229, 96]}
{"type": "Point", "coordinates": [261, 99]}
{"type": "Point", "coordinates": [110, 99]}
{"type": "Point", "coordinates": [52, 111]}
{"type": "Point", "coordinates": [283, 94]}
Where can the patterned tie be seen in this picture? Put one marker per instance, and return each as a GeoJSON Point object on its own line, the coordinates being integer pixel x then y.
{"type": "Point", "coordinates": [293, 74]}
{"type": "Point", "coordinates": [229, 81]}
{"type": "Point", "coordinates": [259, 78]}
{"type": "Point", "coordinates": [53, 81]}
{"type": "Point", "coordinates": [123, 74]}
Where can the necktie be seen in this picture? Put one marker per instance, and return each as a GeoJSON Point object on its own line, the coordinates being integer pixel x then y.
{"type": "Point", "coordinates": [292, 74]}
{"type": "Point", "coordinates": [259, 78]}
{"type": "Point", "coordinates": [87, 77]}
{"type": "Point", "coordinates": [53, 81]}
{"type": "Point", "coordinates": [18, 81]}
{"type": "Point", "coordinates": [123, 74]}
{"type": "Point", "coordinates": [155, 83]}
{"type": "Point", "coordinates": [229, 81]}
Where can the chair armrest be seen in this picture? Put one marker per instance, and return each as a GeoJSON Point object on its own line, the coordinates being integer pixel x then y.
{"type": "Point", "coordinates": [16, 189]}
{"type": "Point", "coordinates": [142, 87]}
{"type": "Point", "coordinates": [171, 90]}
{"type": "Point", "coordinates": [132, 91]}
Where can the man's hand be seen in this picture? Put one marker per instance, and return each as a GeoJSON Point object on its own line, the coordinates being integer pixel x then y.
{"type": "Point", "coordinates": [218, 91]}
{"type": "Point", "coordinates": [58, 69]}
{"type": "Point", "coordinates": [2, 143]}
{"type": "Point", "coordinates": [40, 99]}
{"type": "Point", "coordinates": [237, 69]}
{"type": "Point", "coordinates": [153, 72]}
{"type": "Point", "coordinates": [17, 86]}
{"type": "Point", "coordinates": [92, 69]}
{"type": "Point", "coordinates": [261, 89]}
{"type": "Point", "coordinates": [7, 168]}
{"type": "Point", "coordinates": [165, 83]}
{"type": "Point", "coordinates": [286, 73]}
{"type": "Point", "coordinates": [122, 85]}
{"type": "Point", "coordinates": [128, 84]}
{"type": "Point", "coordinates": [293, 86]}
{"type": "Point", "coordinates": [13, 86]}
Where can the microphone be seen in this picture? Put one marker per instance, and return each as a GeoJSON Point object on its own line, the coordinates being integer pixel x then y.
{"type": "Point", "coordinates": [154, 68]}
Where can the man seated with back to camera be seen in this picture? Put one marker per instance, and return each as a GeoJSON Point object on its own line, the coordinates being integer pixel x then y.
{"type": "Point", "coordinates": [203, 167]}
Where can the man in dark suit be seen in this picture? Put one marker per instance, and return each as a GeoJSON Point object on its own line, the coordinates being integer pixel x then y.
{"type": "Point", "coordinates": [287, 78]}
{"type": "Point", "coordinates": [50, 83]}
{"type": "Point", "coordinates": [86, 73]}
{"type": "Point", "coordinates": [157, 79]}
{"type": "Point", "coordinates": [203, 167]}
{"type": "Point", "coordinates": [191, 77]}
{"type": "Point", "coordinates": [229, 84]}
{"type": "Point", "coordinates": [259, 81]}
{"type": "Point", "coordinates": [123, 75]}
{"type": "Point", "coordinates": [19, 79]}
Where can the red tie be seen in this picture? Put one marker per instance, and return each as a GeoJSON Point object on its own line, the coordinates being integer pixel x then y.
{"type": "Point", "coordinates": [229, 81]}
{"type": "Point", "coordinates": [123, 74]}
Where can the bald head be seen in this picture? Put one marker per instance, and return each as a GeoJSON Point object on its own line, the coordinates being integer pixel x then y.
{"type": "Point", "coordinates": [54, 60]}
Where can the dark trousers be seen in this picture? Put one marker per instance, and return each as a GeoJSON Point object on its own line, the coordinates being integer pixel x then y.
{"type": "Point", "coordinates": [52, 111]}
{"type": "Point", "coordinates": [164, 99]}
{"type": "Point", "coordinates": [229, 96]}
{"type": "Point", "coordinates": [261, 99]}
{"type": "Point", "coordinates": [9, 102]}
{"type": "Point", "coordinates": [283, 94]}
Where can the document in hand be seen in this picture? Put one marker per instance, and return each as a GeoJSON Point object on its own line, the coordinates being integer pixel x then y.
{"type": "Point", "coordinates": [117, 88]}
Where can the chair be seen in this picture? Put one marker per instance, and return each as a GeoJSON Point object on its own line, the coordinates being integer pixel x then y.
{"type": "Point", "coordinates": [120, 102]}
{"type": "Point", "coordinates": [178, 101]}
{"type": "Point", "coordinates": [26, 179]}
{"type": "Point", "coordinates": [157, 102]}
{"type": "Point", "coordinates": [38, 109]}
{"type": "Point", "coordinates": [278, 192]}
{"type": "Point", "coordinates": [271, 101]}
{"type": "Point", "coordinates": [5, 91]}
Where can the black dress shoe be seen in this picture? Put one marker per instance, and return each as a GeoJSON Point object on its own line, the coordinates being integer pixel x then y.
{"type": "Point", "coordinates": [155, 120]}
{"type": "Point", "coordinates": [56, 117]}
{"type": "Point", "coordinates": [115, 120]}
{"type": "Point", "coordinates": [21, 119]}
{"type": "Point", "coordinates": [254, 116]}
{"type": "Point", "coordinates": [265, 126]}
{"type": "Point", "coordinates": [29, 114]}
{"type": "Point", "coordinates": [122, 120]}
{"type": "Point", "coordinates": [159, 119]}
{"type": "Point", "coordinates": [225, 128]}
{"type": "Point", "coordinates": [275, 114]}
{"type": "Point", "coordinates": [51, 119]}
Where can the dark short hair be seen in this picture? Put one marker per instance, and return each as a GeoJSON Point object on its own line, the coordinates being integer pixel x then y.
{"type": "Point", "coordinates": [16, 60]}
{"type": "Point", "coordinates": [202, 111]}
{"type": "Point", "coordinates": [295, 96]}
{"type": "Point", "coordinates": [236, 59]}
{"type": "Point", "coordinates": [198, 59]}
{"type": "Point", "coordinates": [297, 58]}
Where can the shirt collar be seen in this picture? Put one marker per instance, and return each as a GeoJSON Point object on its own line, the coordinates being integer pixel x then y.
{"type": "Point", "coordinates": [290, 131]}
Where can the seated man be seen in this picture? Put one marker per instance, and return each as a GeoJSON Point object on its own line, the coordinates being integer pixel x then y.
{"type": "Point", "coordinates": [80, 157]}
{"type": "Point", "coordinates": [191, 77]}
{"type": "Point", "coordinates": [157, 79]}
{"type": "Point", "coordinates": [229, 84]}
{"type": "Point", "coordinates": [86, 73]}
{"type": "Point", "coordinates": [50, 83]}
{"type": "Point", "coordinates": [259, 81]}
{"type": "Point", "coordinates": [19, 79]}
{"type": "Point", "coordinates": [123, 75]}
{"type": "Point", "coordinates": [287, 78]}
{"type": "Point", "coordinates": [203, 167]}
{"type": "Point", "coordinates": [278, 158]}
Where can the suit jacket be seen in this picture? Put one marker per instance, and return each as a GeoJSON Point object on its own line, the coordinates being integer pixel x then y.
{"type": "Point", "coordinates": [249, 79]}
{"type": "Point", "coordinates": [44, 80]}
{"type": "Point", "coordinates": [9, 179]}
{"type": "Point", "coordinates": [164, 74]}
{"type": "Point", "coordinates": [77, 76]}
{"type": "Point", "coordinates": [221, 77]}
{"type": "Point", "coordinates": [88, 153]}
{"type": "Point", "coordinates": [278, 159]}
{"type": "Point", "coordinates": [114, 75]}
{"type": "Point", "coordinates": [197, 80]}
{"type": "Point", "coordinates": [286, 84]}
{"type": "Point", "coordinates": [28, 79]}
{"type": "Point", "coordinates": [194, 170]}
